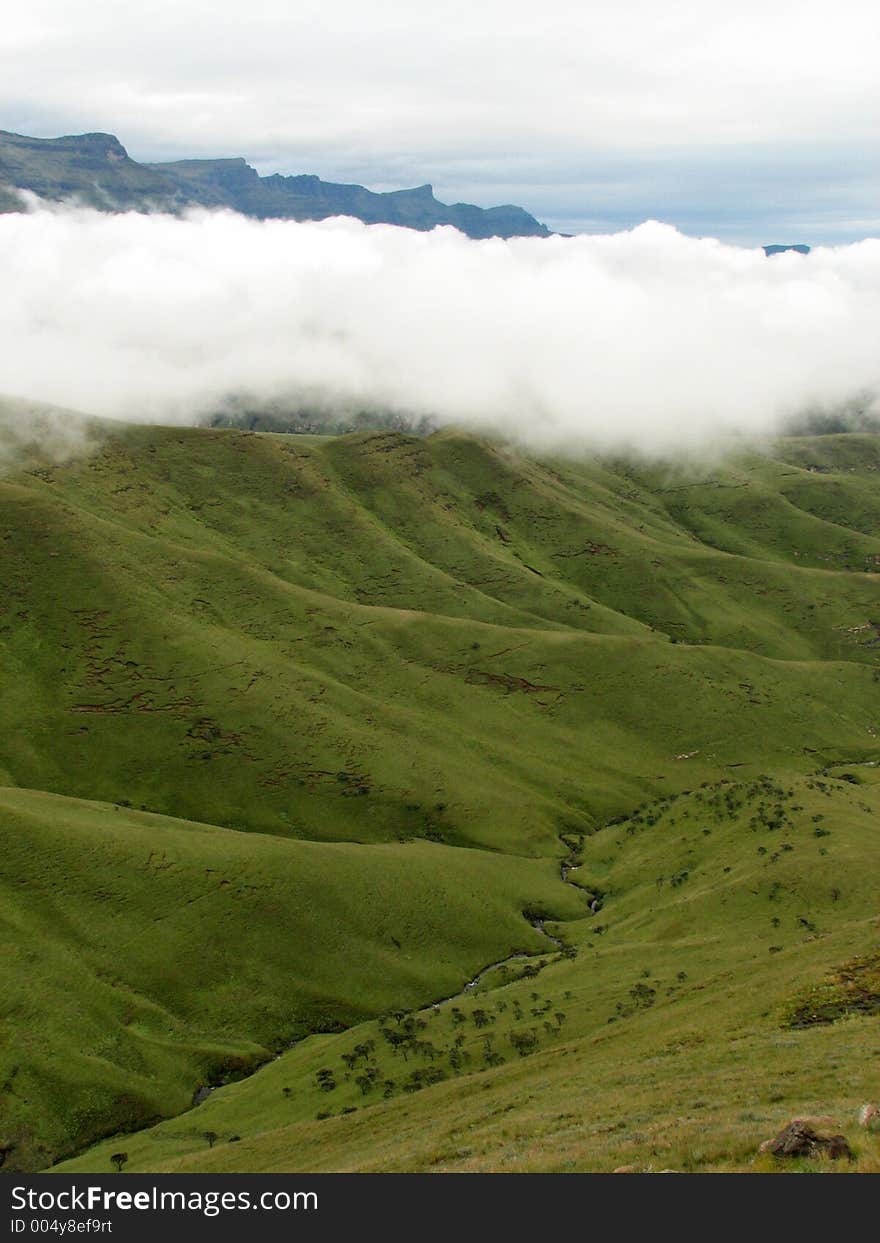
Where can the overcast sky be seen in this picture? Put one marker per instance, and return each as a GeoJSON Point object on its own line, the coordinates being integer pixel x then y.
{"type": "Point", "coordinates": [748, 121]}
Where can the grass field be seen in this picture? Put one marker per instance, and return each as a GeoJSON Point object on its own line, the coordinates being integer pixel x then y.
{"type": "Point", "coordinates": [296, 732]}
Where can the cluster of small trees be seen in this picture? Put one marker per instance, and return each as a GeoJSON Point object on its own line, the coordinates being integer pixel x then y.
{"type": "Point", "coordinates": [405, 1035]}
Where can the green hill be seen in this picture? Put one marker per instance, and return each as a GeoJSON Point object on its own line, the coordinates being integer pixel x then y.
{"type": "Point", "coordinates": [296, 731]}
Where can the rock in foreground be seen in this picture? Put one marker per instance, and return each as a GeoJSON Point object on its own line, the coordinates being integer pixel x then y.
{"type": "Point", "coordinates": [799, 1139]}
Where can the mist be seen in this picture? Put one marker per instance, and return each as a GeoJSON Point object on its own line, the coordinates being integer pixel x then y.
{"type": "Point", "coordinates": [646, 340]}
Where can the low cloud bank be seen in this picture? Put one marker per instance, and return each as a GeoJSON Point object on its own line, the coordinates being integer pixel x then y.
{"type": "Point", "coordinates": [646, 339]}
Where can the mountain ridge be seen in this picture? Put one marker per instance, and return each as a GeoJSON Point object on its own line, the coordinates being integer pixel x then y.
{"type": "Point", "coordinates": [96, 169]}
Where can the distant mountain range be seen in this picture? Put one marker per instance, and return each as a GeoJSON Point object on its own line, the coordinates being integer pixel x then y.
{"type": "Point", "coordinates": [97, 170]}
{"type": "Point", "coordinates": [779, 248]}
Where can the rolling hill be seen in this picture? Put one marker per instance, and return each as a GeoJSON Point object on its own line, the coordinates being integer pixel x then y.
{"type": "Point", "coordinates": [300, 734]}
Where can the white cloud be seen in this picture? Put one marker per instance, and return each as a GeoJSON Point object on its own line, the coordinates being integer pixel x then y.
{"type": "Point", "coordinates": [646, 337]}
{"type": "Point", "coordinates": [627, 70]}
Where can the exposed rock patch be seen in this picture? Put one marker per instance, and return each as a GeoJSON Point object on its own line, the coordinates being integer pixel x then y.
{"type": "Point", "coordinates": [800, 1139]}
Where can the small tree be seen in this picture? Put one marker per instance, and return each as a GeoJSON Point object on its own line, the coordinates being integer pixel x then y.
{"type": "Point", "coordinates": [118, 1159]}
{"type": "Point", "coordinates": [326, 1079]}
{"type": "Point", "coordinates": [523, 1041]}
{"type": "Point", "coordinates": [211, 1137]}
{"type": "Point", "coordinates": [396, 1039]}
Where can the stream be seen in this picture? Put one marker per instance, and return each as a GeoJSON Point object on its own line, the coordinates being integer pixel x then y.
{"type": "Point", "coordinates": [567, 865]}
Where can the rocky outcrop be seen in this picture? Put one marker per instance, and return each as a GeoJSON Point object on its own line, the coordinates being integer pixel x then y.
{"type": "Point", "coordinates": [800, 1139]}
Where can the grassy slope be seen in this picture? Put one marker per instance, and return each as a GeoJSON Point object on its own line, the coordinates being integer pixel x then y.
{"type": "Point", "coordinates": [667, 1042]}
{"type": "Point", "coordinates": [175, 949]}
{"type": "Point", "coordinates": [215, 625]}
{"type": "Point", "coordinates": [373, 640]}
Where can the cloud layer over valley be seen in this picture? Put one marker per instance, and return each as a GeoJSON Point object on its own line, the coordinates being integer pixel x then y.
{"type": "Point", "coordinates": [646, 338]}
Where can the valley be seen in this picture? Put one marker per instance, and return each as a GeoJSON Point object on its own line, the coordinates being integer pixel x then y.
{"type": "Point", "coordinates": [302, 733]}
